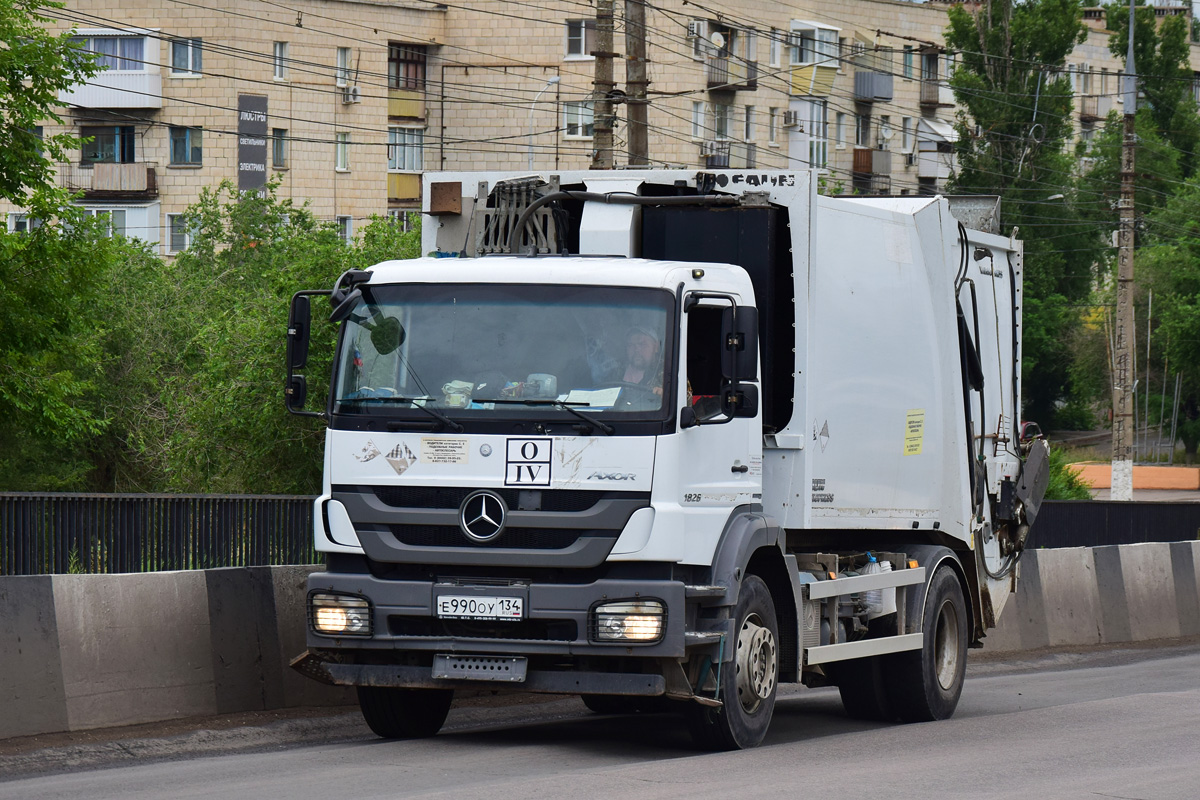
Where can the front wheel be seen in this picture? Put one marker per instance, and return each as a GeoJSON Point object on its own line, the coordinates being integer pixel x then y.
{"type": "Point", "coordinates": [404, 713]}
{"type": "Point", "coordinates": [925, 684]}
{"type": "Point", "coordinates": [748, 683]}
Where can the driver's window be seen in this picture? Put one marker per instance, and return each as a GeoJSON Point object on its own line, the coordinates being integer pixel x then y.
{"type": "Point", "coordinates": [704, 359]}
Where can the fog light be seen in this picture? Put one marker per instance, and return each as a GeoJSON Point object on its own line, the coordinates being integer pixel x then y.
{"type": "Point", "coordinates": [339, 615]}
{"type": "Point", "coordinates": [629, 621]}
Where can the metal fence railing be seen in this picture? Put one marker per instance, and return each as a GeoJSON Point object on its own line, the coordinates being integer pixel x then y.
{"type": "Point", "coordinates": [1092, 523]}
{"type": "Point", "coordinates": [59, 533]}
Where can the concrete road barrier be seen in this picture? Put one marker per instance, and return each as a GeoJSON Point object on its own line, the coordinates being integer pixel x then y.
{"type": "Point", "coordinates": [89, 651]}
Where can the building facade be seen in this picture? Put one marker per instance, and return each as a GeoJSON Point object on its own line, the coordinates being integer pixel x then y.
{"type": "Point", "coordinates": [344, 103]}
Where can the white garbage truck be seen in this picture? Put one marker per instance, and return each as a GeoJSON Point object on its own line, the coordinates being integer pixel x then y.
{"type": "Point", "coordinates": [666, 439]}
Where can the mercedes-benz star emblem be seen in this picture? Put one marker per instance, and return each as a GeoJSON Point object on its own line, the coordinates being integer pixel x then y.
{"type": "Point", "coordinates": [481, 516]}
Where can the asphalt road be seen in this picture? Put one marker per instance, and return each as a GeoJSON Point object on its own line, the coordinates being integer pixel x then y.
{"type": "Point", "coordinates": [1103, 724]}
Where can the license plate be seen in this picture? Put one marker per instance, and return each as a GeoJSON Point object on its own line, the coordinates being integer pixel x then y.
{"type": "Point", "coordinates": [499, 608]}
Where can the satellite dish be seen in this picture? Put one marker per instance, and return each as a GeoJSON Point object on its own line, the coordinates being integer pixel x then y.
{"type": "Point", "coordinates": [717, 39]}
{"type": "Point", "coordinates": [887, 133]}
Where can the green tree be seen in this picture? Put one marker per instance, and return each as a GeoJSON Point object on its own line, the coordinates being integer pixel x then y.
{"type": "Point", "coordinates": [1170, 265]}
{"type": "Point", "coordinates": [1164, 74]}
{"type": "Point", "coordinates": [195, 356]}
{"type": "Point", "coordinates": [35, 65]}
{"type": "Point", "coordinates": [1014, 122]}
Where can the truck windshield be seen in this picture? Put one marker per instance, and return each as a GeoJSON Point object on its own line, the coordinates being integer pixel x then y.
{"type": "Point", "coordinates": [506, 351]}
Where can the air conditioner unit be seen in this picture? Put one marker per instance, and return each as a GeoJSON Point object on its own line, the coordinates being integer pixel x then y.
{"type": "Point", "coordinates": [351, 94]}
{"type": "Point", "coordinates": [698, 28]}
{"type": "Point", "coordinates": [791, 119]}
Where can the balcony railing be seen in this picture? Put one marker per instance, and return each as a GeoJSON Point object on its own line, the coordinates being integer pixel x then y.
{"type": "Point", "coordinates": [116, 89]}
{"type": "Point", "coordinates": [731, 74]}
{"type": "Point", "coordinates": [110, 181]}
{"type": "Point", "coordinates": [869, 161]}
{"type": "Point", "coordinates": [871, 86]}
{"type": "Point", "coordinates": [1094, 108]}
{"type": "Point", "coordinates": [936, 93]}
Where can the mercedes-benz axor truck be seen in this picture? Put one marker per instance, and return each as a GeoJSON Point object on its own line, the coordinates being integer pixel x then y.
{"type": "Point", "coordinates": [666, 439]}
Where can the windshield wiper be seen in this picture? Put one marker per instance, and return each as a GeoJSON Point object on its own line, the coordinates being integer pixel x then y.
{"type": "Point", "coordinates": [565, 406]}
{"type": "Point", "coordinates": [430, 410]}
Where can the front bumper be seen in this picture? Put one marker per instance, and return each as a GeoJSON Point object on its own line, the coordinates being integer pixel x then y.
{"type": "Point", "coordinates": [556, 622]}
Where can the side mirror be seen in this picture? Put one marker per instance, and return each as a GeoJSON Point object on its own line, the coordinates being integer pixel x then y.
{"type": "Point", "coordinates": [387, 335]}
{"type": "Point", "coordinates": [740, 400]}
{"type": "Point", "coordinates": [299, 325]}
{"type": "Point", "coordinates": [296, 393]}
{"type": "Point", "coordinates": [739, 358]}
{"type": "Point", "coordinates": [687, 418]}
{"type": "Point", "coordinates": [343, 309]}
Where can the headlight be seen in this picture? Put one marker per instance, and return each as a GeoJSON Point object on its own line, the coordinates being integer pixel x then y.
{"type": "Point", "coordinates": [339, 615]}
{"type": "Point", "coordinates": [629, 621]}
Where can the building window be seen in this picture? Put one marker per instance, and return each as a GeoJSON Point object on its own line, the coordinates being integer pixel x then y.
{"type": "Point", "coordinates": [813, 45]}
{"type": "Point", "coordinates": [405, 146]}
{"type": "Point", "coordinates": [908, 61]}
{"type": "Point", "coordinates": [929, 66]}
{"type": "Point", "coordinates": [280, 59]}
{"type": "Point", "coordinates": [109, 144]}
{"type": "Point", "coordinates": [112, 221]}
{"type": "Point", "coordinates": [906, 134]}
{"type": "Point", "coordinates": [721, 114]}
{"type": "Point", "coordinates": [125, 53]}
{"type": "Point", "coordinates": [885, 132]}
{"type": "Point", "coordinates": [578, 119]}
{"type": "Point", "coordinates": [187, 146]}
{"type": "Point", "coordinates": [773, 126]}
{"type": "Point", "coordinates": [22, 223]}
{"type": "Point", "coordinates": [343, 66]}
{"type": "Point", "coordinates": [862, 131]}
{"type": "Point", "coordinates": [581, 38]}
{"type": "Point", "coordinates": [345, 226]}
{"type": "Point", "coordinates": [697, 119]}
{"type": "Point", "coordinates": [406, 66]}
{"type": "Point", "coordinates": [773, 48]}
{"type": "Point", "coordinates": [818, 143]}
{"type": "Point", "coordinates": [403, 218]}
{"type": "Point", "coordinates": [341, 151]}
{"type": "Point", "coordinates": [179, 233]}
{"type": "Point", "coordinates": [185, 56]}
{"type": "Point", "coordinates": [279, 148]}
{"type": "Point", "coordinates": [839, 130]}
{"type": "Point", "coordinates": [748, 133]}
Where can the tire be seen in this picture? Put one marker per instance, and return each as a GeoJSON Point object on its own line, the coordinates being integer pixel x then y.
{"type": "Point", "coordinates": [924, 685]}
{"type": "Point", "coordinates": [626, 704]}
{"type": "Point", "coordinates": [404, 713]}
{"type": "Point", "coordinates": [748, 682]}
{"type": "Point", "coordinates": [863, 689]}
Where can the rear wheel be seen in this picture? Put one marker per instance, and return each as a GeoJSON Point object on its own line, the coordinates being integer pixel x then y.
{"type": "Point", "coordinates": [863, 689]}
{"type": "Point", "coordinates": [925, 684]}
{"type": "Point", "coordinates": [404, 713]}
{"type": "Point", "coordinates": [748, 683]}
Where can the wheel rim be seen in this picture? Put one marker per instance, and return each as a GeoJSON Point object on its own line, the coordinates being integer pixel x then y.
{"type": "Point", "coordinates": [756, 661]}
{"type": "Point", "coordinates": [945, 646]}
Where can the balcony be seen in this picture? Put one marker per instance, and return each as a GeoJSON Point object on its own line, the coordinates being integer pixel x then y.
{"type": "Point", "coordinates": [731, 74]}
{"type": "Point", "coordinates": [936, 93]}
{"type": "Point", "coordinates": [870, 161]}
{"type": "Point", "coordinates": [406, 103]}
{"type": "Point", "coordinates": [131, 182]}
{"type": "Point", "coordinates": [116, 89]}
{"type": "Point", "coordinates": [404, 185]}
{"type": "Point", "coordinates": [743, 155]}
{"type": "Point", "coordinates": [715, 154]}
{"type": "Point", "coordinates": [871, 87]}
{"type": "Point", "coordinates": [1094, 108]}
{"type": "Point", "coordinates": [935, 163]}
{"type": "Point", "coordinates": [813, 80]}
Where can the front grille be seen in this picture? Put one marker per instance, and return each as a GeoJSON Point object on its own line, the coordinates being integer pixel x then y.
{"type": "Point", "coordinates": [552, 630]}
{"type": "Point", "coordinates": [559, 500]}
{"type": "Point", "coordinates": [520, 538]}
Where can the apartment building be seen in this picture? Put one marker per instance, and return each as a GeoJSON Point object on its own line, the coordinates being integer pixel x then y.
{"type": "Point", "coordinates": [346, 102]}
{"type": "Point", "coordinates": [325, 98]}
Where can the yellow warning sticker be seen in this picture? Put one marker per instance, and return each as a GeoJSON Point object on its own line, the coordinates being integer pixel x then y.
{"type": "Point", "coordinates": [914, 431]}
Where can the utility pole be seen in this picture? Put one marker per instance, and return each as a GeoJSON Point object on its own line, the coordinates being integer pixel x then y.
{"type": "Point", "coordinates": [602, 113]}
{"type": "Point", "coordinates": [1123, 377]}
{"type": "Point", "coordinates": [635, 80]}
